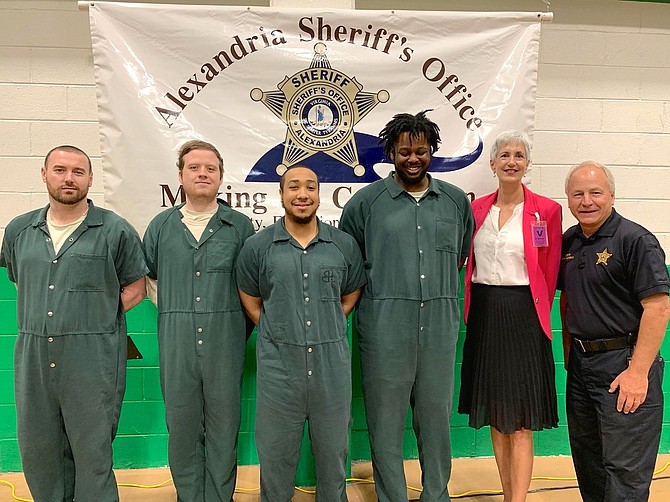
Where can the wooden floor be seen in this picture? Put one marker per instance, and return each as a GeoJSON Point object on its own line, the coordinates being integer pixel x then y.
{"type": "Point", "coordinates": [470, 477]}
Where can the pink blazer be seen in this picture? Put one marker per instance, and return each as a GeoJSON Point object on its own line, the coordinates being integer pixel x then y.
{"type": "Point", "coordinates": [542, 263]}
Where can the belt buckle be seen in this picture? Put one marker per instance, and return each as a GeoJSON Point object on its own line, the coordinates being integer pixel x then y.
{"type": "Point", "coordinates": [580, 344]}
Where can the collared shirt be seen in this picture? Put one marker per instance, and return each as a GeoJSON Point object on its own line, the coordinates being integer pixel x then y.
{"type": "Point", "coordinates": [76, 290]}
{"type": "Point", "coordinates": [411, 250]}
{"type": "Point", "coordinates": [197, 293]}
{"type": "Point", "coordinates": [498, 252]}
{"type": "Point", "coordinates": [301, 287]}
{"type": "Point", "coordinates": [606, 275]}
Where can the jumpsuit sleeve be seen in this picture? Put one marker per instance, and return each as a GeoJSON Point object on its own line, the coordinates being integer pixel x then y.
{"type": "Point", "coordinates": [352, 222]}
{"type": "Point", "coordinates": [150, 245]}
{"type": "Point", "coordinates": [247, 270]}
{"type": "Point", "coordinates": [247, 230]}
{"type": "Point", "coordinates": [7, 254]}
{"type": "Point", "coordinates": [356, 278]}
{"type": "Point", "coordinates": [129, 256]}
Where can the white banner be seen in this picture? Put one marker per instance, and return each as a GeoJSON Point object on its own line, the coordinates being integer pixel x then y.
{"type": "Point", "coordinates": [273, 88]}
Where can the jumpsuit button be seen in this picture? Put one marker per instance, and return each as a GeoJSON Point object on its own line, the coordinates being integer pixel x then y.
{"type": "Point", "coordinates": [199, 330]}
{"type": "Point", "coordinates": [309, 349]}
{"type": "Point", "coordinates": [418, 227]}
{"type": "Point", "coordinates": [50, 339]}
{"type": "Point", "coordinates": [197, 298]}
{"type": "Point", "coordinates": [309, 373]}
{"type": "Point", "coordinates": [51, 286]}
{"type": "Point", "coordinates": [199, 342]}
{"type": "Point", "coordinates": [52, 365]}
{"type": "Point", "coordinates": [70, 239]}
{"type": "Point", "coordinates": [48, 240]}
{"type": "Point", "coordinates": [421, 328]}
{"type": "Point", "coordinates": [305, 275]}
{"type": "Point", "coordinates": [421, 305]}
{"type": "Point", "coordinates": [197, 274]}
{"type": "Point", "coordinates": [211, 230]}
{"type": "Point", "coordinates": [418, 204]}
{"type": "Point", "coordinates": [309, 323]}
{"type": "Point", "coordinates": [50, 314]}
{"type": "Point", "coordinates": [55, 261]}
{"type": "Point", "coordinates": [307, 298]}
{"type": "Point", "coordinates": [304, 251]}
{"type": "Point", "coordinates": [420, 251]}
{"type": "Point", "coordinates": [423, 276]}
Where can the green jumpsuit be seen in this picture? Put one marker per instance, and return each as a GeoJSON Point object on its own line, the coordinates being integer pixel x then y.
{"type": "Point", "coordinates": [70, 355]}
{"type": "Point", "coordinates": [202, 337]}
{"type": "Point", "coordinates": [303, 357]}
{"type": "Point", "coordinates": [407, 323]}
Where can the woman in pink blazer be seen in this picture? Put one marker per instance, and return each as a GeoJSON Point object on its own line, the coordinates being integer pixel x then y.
{"type": "Point", "coordinates": [507, 378]}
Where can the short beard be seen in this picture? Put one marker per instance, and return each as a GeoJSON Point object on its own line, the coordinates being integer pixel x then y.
{"type": "Point", "coordinates": [410, 181]}
{"type": "Point", "coordinates": [301, 220]}
{"type": "Point", "coordinates": [71, 200]}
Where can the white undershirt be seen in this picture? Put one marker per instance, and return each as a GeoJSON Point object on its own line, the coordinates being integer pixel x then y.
{"type": "Point", "coordinates": [59, 233]}
{"type": "Point", "coordinates": [196, 223]}
{"type": "Point", "coordinates": [499, 256]}
{"type": "Point", "coordinates": [418, 195]}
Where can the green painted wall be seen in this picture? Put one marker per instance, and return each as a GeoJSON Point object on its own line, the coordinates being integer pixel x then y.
{"type": "Point", "coordinates": [142, 438]}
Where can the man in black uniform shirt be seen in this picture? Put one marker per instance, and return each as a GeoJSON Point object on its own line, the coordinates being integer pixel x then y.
{"type": "Point", "coordinates": [615, 309]}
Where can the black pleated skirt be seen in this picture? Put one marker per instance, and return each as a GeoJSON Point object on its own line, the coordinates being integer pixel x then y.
{"type": "Point", "coordinates": [507, 377]}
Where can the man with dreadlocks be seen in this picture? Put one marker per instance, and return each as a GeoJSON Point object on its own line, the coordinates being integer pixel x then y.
{"type": "Point", "coordinates": [414, 233]}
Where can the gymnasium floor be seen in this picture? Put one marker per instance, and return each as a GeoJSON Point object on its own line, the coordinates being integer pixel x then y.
{"type": "Point", "coordinates": [469, 475]}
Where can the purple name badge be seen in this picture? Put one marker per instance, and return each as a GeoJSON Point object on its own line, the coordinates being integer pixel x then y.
{"type": "Point", "coordinates": [540, 239]}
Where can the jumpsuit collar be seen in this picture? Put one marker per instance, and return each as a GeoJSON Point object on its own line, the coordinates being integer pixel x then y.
{"type": "Point", "coordinates": [220, 218]}
{"type": "Point", "coordinates": [396, 190]}
{"type": "Point", "coordinates": [93, 218]}
{"type": "Point", "coordinates": [323, 234]}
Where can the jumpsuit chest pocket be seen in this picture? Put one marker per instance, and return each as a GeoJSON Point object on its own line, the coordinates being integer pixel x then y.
{"type": "Point", "coordinates": [331, 279]}
{"type": "Point", "coordinates": [86, 272]}
{"type": "Point", "coordinates": [220, 255]}
{"type": "Point", "coordinates": [447, 234]}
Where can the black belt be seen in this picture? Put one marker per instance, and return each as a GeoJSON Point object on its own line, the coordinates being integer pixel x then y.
{"type": "Point", "coordinates": [605, 344]}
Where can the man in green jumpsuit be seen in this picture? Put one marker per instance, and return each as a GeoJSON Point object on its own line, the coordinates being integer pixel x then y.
{"type": "Point", "coordinates": [298, 280]}
{"type": "Point", "coordinates": [414, 233]}
{"type": "Point", "coordinates": [191, 251]}
{"type": "Point", "coordinates": [77, 269]}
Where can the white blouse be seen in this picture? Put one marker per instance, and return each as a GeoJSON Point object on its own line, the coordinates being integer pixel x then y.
{"type": "Point", "coordinates": [499, 256]}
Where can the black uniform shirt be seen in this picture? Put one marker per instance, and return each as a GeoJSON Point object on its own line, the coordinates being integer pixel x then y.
{"type": "Point", "coordinates": [607, 274]}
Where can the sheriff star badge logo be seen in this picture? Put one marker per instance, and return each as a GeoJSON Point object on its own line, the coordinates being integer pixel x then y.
{"type": "Point", "coordinates": [320, 107]}
{"type": "Point", "coordinates": [603, 257]}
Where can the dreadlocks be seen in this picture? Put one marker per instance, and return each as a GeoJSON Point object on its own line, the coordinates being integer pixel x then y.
{"type": "Point", "coordinates": [415, 125]}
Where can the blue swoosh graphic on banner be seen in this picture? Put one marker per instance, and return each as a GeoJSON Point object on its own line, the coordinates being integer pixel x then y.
{"type": "Point", "coordinates": [370, 152]}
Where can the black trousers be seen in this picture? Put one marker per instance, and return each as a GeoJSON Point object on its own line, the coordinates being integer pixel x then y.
{"type": "Point", "coordinates": [614, 454]}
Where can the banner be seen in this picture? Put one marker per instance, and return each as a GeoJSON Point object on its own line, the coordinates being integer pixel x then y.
{"type": "Point", "coordinates": [273, 88]}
